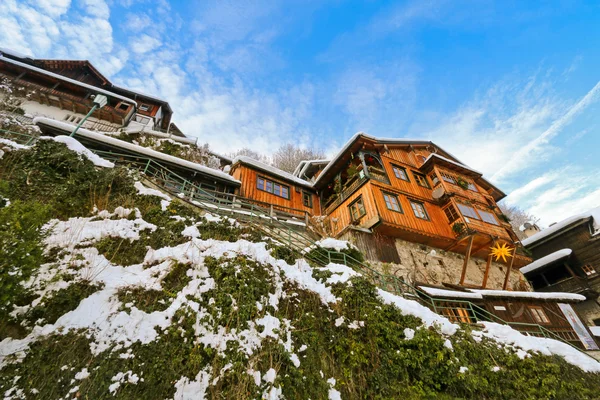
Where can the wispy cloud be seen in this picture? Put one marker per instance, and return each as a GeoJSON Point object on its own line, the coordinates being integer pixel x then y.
{"type": "Point", "coordinates": [521, 158]}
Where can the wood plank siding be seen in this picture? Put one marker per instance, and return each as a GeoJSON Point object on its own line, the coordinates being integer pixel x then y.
{"type": "Point", "coordinates": [294, 205]}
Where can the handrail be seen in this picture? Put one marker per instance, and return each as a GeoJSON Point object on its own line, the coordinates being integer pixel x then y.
{"type": "Point", "coordinates": [261, 219]}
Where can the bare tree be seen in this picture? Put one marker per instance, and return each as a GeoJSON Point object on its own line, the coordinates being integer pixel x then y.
{"type": "Point", "coordinates": [252, 154]}
{"type": "Point", "coordinates": [288, 156]}
{"type": "Point", "coordinates": [517, 217]}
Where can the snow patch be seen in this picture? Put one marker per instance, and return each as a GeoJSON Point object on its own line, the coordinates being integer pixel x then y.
{"type": "Point", "coordinates": [74, 145]}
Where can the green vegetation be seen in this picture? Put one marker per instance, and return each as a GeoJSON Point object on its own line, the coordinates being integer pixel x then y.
{"type": "Point", "coordinates": [371, 349]}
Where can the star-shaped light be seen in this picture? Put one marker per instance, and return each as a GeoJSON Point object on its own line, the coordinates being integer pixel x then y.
{"type": "Point", "coordinates": [501, 252]}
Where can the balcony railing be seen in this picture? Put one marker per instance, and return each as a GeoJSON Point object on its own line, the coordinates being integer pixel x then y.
{"type": "Point", "coordinates": [346, 192]}
{"type": "Point", "coordinates": [574, 284]}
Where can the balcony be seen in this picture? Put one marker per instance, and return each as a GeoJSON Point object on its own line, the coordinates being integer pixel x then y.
{"type": "Point", "coordinates": [350, 187]}
{"type": "Point", "coordinates": [574, 284]}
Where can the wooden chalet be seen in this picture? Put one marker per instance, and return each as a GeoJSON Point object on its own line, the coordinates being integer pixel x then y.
{"type": "Point", "coordinates": [567, 258]}
{"type": "Point", "coordinates": [69, 85]}
{"type": "Point", "coordinates": [276, 189]}
{"type": "Point", "coordinates": [411, 190]}
{"type": "Point", "coordinates": [524, 311]}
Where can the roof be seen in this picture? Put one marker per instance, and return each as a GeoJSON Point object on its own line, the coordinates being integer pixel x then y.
{"type": "Point", "coordinates": [403, 141]}
{"type": "Point", "coordinates": [565, 225]}
{"type": "Point", "coordinates": [434, 156]}
{"type": "Point", "coordinates": [546, 260]}
{"type": "Point", "coordinates": [452, 294]}
{"type": "Point", "coordinates": [530, 295]}
{"type": "Point", "coordinates": [215, 173]}
{"type": "Point", "coordinates": [304, 165]}
{"type": "Point", "coordinates": [69, 80]}
{"type": "Point", "coordinates": [14, 54]}
{"type": "Point", "coordinates": [271, 170]}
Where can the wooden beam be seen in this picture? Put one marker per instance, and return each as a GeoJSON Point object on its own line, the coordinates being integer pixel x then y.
{"type": "Point", "coordinates": [476, 249]}
{"type": "Point", "coordinates": [486, 274]}
{"type": "Point", "coordinates": [512, 260]}
{"type": "Point", "coordinates": [466, 263]}
{"type": "Point", "coordinates": [456, 243]}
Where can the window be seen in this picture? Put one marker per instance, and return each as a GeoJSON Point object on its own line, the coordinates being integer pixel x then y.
{"type": "Point", "coordinates": [468, 211]}
{"type": "Point", "coordinates": [141, 119]}
{"type": "Point", "coordinates": [391, 202]}
{"type": "Point", "coordinates": [539, 315]}
{"type": "Point", "coordinates": [307, 199]}
{"type": "Point", "coordinates": [145, 107]}
{"type": "Point", "coordinates": [421, 179]}
{"type": "Point", "coordinates": [419, 210]}
{"type": "Point", "coordinates": [488, 217]}
{"type": "Point", "coordinates": [123, 106]}
{"type": "Point", "coordinates": [448, 178]}
{"type": "Point", "coordinates": [357, 209]}
{"type": "Point", "coordinates": [271, 187]}
{"type": "Point", "coordinates": [434, 179]}
{"type": "Point", "coordinates": [400, 173]}
{"type": "Point", "coordinates": [589, 270]}
{"type": "Point", "coordinates": [451, 213]}
{"type": "Point", "coordinates": [472, 186]}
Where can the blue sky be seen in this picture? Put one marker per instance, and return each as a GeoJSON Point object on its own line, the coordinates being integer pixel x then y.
{"type": "Point", "coordinates": [511, 88]}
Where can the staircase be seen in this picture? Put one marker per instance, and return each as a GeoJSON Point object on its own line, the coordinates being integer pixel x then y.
{"type": "Point", "coordinates": [298, 240]}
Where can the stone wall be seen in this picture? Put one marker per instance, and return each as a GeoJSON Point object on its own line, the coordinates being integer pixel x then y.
{"type": "Point", "coordinates": [420, 263]}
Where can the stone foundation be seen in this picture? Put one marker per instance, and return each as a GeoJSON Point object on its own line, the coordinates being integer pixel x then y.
{"type": "Point", "coordinates": [420, 263]}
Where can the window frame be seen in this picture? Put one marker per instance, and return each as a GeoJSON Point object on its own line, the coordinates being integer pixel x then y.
{"type": "Point", "coordinates": [483, 212]}
{"type": "Point", "coordinates": [538, 314]}
{"type": "Point", "coordinates": [451, 210]}
{"type": "Point", "coordinates": [307, 195]}
{"type": "Point", "coordinates": [362, 211]}
{"type": "Point", "coordinates": [422, 205]}
{"type": "Point", "coordinates": [391, 196]}
{"type": "Point", "coordinates": [589, 270]}
{"type": "Point", "coordinates": [402, 169]}
{"type": "Point", "coordinates": [475, 216]}
{"type": "Point", "coordinates": [419, 178]}
{"type": "Point", "coordinates": [269, 187]}
{"type": "Point", "coordinates": [148, 107]}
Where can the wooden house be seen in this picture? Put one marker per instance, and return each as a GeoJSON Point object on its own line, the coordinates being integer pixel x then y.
{"type": "Point", "coordinates": [415, 191]}
{"type": "Point", "coordinates": [524, 311]}
{"type": "Point", "coordinates": [567, 258]}
{"type": "Point", "coordinates": [276, 189]}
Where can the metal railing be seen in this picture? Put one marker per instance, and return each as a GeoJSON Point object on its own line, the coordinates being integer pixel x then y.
{"type": "Point", "coordinates": [260, 218]}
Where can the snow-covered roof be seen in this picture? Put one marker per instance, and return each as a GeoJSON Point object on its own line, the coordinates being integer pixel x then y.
{"type": "Point", "coordinates": [69, 80]}
{"type": "Point", "coordinates": [137, 149]}
{"type": "Point", "coordinates": [595, 330]}
{"type": "Point", "coordinates": [530, 295]}
{"type": "Point", "coordinates": [435, 155]}
{"type": "Point", "coordinates": [303, 166]}
{"type": "Point", "coordinates": [594, 214]}
{"type": "Point", "coordinates": [550, 258]}
{"type": "Point", "coordinates": [13, 53]}
{"type": "Point", "coordinates": [271, 169]}
{"type": "Point", "coordinates": [452, 294]}
{"type": "Point", "coordinates": [142, 94]}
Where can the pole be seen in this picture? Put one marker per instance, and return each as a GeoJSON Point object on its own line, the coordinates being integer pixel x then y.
{"type": "Point", "coordinates": [83, 120]}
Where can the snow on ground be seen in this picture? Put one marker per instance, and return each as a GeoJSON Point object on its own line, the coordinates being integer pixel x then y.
{"type": "Point", "coordinates": [74, 145]}
{"type": "Point", "coordinates": [505, 334]}
{"type": "Point", "coordinates": [12, 144]}
{"type": "Point", "coordinates": [146, 191]}
{"type": "Point", "coordinates": [335, 244]}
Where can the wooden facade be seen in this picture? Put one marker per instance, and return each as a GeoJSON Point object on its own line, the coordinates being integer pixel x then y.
{"type": "Point", "coordinates": [294, 204]}
{"type": "Point", "coordinates": [578, 272]}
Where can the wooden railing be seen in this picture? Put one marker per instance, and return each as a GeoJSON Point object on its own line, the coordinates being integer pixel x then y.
{"type": "Point", "coordinates": [345, 193]}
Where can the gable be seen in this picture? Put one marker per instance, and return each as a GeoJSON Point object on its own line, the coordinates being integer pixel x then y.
{"type": "Point", "coordinates": [81, 71]}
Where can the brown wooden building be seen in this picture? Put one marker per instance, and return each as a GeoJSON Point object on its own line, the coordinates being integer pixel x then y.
{"type": "Point", "coordinates": [524, 311]}
{"type": "Point", "coordinates": [567, 258]}
{"type": "Point", "coordinates": [273, 188]}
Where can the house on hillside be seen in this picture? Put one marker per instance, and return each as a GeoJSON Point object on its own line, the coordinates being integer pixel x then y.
{"type": "Point", "coordinates": [567, 259]}
{"type": "Point", "coordinates": [56, 95]}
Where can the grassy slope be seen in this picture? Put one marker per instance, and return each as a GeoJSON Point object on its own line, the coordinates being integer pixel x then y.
{"type": "Point", "coordinates": [377, 360]}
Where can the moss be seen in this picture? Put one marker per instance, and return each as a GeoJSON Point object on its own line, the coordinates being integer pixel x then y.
{"type": "Point", "coordinates": [157, 300]}
{"type": "Point", "coordinates": [56, 304]}
{"type": "Point", "coordinates": [283, 253]}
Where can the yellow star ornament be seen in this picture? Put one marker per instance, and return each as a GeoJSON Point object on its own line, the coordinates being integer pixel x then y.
{"type": "Point", "coordinates": [501, 252]}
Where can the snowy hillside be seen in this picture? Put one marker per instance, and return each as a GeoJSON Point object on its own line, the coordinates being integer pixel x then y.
{"type": "Point", "coordinates": [110, 289]}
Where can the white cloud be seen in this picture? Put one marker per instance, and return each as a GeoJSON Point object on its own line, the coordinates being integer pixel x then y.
{"type": "Point", "coordinates": [52, 8]}
{"type": "Point", "coordinates": [144, 43]}
{"type": "Point", "coordinates": [521, 159]}
{"type": "Point", "coordinates": [96, 8]}
{"type": "Point", "coordinates": [137, 22]}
